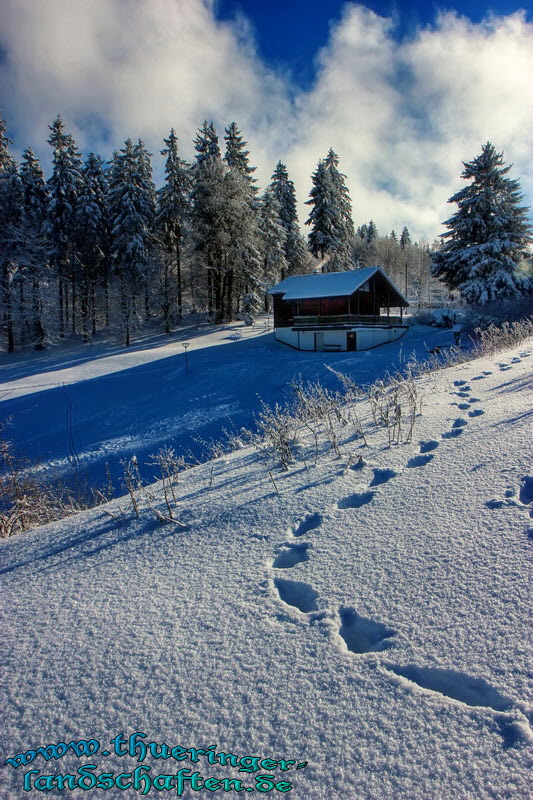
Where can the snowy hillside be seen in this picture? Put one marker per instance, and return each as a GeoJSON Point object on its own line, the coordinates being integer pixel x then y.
{"type": "Point", "coordinates": [104, 403]}
{"type": "Point", "coordinates": [360, 627]}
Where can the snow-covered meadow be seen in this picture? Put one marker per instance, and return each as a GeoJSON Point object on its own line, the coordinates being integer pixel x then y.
{"type": "Point", "coordinates": [76, 408]}
{"type": "Point", "coordinates": [367, 617]}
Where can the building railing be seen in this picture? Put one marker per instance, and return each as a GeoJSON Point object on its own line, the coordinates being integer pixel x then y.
{"type": "Point", "coordinates": [347, 319]}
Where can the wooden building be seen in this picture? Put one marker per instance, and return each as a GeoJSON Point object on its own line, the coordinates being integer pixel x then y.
{"type": "Point", "coordinates": [338, 310]}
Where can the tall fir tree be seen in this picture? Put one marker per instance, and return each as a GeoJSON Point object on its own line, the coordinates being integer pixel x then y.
{"type": "Point", "coordinates": [92, 239]}
{"type": "Point", "coordinates": [206, 143]}
{"type": "Point", "coordinates": [11, 209]}
{"type": "Point", "coordinates": [371, 232]}
{"type": "Point", "coordinates": [405, 238]}
{"type": "Point", "coordinates": [63, 186]}
{"type": "Point", "coordinates": [35, 204]}
{"type": "Point", "coordinates": [295, 248]}
{"type": "Point", "coordinates": [487, 237]}
{"type": "Point", "coordinates": [131, 210]}
{"type": "Point", "coordinates": [224, 227]}
{"type": "Point", "coordinates": [148, 192]}
{"type": "Point", "coordinates": [172, 215]}
{"type": "Point", "coordinates": [273, 237]}
{"type": "Point", "coordinates": [236, 156]}
{"type": "Point", "coordinates": [332, 229]}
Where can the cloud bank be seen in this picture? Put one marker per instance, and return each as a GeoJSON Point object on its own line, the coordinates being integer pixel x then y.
{"type": "Point", "coordinates": [402, 115]}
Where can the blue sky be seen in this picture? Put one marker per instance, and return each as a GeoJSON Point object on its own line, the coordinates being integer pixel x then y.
{"type": "Point", "coordinates": [289, 33]}
{"type": "Point", "coordinates": [403, 92]}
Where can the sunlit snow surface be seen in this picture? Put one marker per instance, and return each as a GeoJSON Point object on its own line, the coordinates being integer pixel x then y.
{"type": "Point", "coordinates": [102, 404]}
{"type": "Point", "coordinates": [372, 622]}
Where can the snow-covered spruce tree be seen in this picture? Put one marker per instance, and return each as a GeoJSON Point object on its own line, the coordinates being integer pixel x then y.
{"type": "Point", "coordinates": [92, 239]}
{"type": "Point", "coordinates": [405, 238]}
{"type": "Point", "coordinates": [206, 143]}
{"type": "Point", "coordinates": [296, 253]}
{"type": "Point", "coordinates": [487, 237]}
{"type": "Point", "coordinates": [236, 156]}
{"type": "Point", "coordinates": [10, 235]}
{"type": "Point", "coordinates": [273, 237]}
{"type": "Point", "coordinates": [223, 227]}
{"type": "Point", "coordinates": [172, 214]}
{"type": "Point", "coordinates": [35, 205]}
{"type": "Point", "coordinates": [244, 259]}
{"type": "Point", "coordinates": [131, 212]}
{"type": "Point", "coordinates": [332, 230]}
{"type": "Point", "coordinates": [149, 193]}
{"type": "Point", "coordinates": [64, 186]}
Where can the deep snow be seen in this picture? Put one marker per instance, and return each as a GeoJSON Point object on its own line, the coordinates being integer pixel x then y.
{"type": "Point", "coordinates": [369, 619]}
{"type": "Point", "coordinates": [104, 404]}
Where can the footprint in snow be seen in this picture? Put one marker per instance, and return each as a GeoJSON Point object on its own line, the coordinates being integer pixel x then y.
{"type": "Point", "coordinates": [477, 412]}
{"type": "Point", "coordinates": [516, 360]}
{"type": "Point", "coordinates": [472, 692]}
{"type": "Point", "coordinates": [290, 555]}
{"type": "Point", "coordinates": [462, 406]}
{"type": "Point", "coordinates": [526, 493]}
{"type": "Point", "coordinates": [298, 594]}
{"type": "Point", "coordinates": [460, 423]}
{"type": "Point", "coordinates": [382, 476]}
{"type": "Point", "coordinates": [309, 523]}
{"type": "Point", "coordinates": [457, 685]}
{"type": "Point", "coordinates": [427, 447]}
{"type": "Point", "coordinates": [459, 383]}
{"type": "Point", "coordinates": [363, 635]}
{"type": "Point", "coordinates": [474, 400]}
{"type": "Point", "coordinates": [462, 394]}
{"type": "Point", "coordinates": [355, 500]}
{"type": "Point", "coordinates": [419, 461]}
{"type": "Point", "coordinates": [453, 434]}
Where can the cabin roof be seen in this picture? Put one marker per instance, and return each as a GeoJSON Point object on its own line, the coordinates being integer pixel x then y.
{"type": "Point", "coordinates": [330, 284]}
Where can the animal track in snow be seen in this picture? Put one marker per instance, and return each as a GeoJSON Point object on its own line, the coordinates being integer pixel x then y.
{"type": "Point", "coordinates": [291, 555]}
{"type": "Point", "coordinates": [382, 476]}
{"type": "Point", "coordinates": [462, 394]}
{"type": "Point", "coordinates": [419, 461]}
{"type": "Point", "coordinates": [363, 635]}
{"type": "Point", "coordinates": [474, 400]}
{"type": "Point", "coordinates": [309, 523]}
{"type": "Point", "coordinates": [355, 500]}
{"type": "Point", "coordinates": [477, 412]}
{"type": "Point", "coordinates": [462, 406]}
{"type": "Point", "coordinates": [427, 447]}
{"type": "Point", "coordinates": [298, 594]}
{"type": "Point", "coordinates": [459, 383]}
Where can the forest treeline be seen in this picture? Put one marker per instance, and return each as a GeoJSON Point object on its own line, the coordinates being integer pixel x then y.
{"type": "Point", "coordinates": [96, 246]}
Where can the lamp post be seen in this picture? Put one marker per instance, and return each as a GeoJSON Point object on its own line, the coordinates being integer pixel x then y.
{"type": "Point", "coordinates": [185, 345]}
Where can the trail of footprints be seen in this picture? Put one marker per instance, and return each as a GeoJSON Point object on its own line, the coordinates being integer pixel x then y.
{"type": "Point", "coordinates": [362, 635]}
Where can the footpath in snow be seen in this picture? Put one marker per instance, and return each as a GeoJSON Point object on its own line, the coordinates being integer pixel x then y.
{"type": "Point", "coordinates": [356, 629]}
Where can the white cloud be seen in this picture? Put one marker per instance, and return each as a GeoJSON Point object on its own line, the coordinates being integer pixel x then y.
{"type": "Point", "coordinates": [402, 116]}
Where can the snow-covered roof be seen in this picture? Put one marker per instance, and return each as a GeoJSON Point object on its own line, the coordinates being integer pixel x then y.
{"type": "Point", "coordinates": [327, 284]}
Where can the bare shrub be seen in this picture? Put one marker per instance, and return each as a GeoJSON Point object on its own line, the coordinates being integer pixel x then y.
{"type": "Point", "coordinates": [277, 433]}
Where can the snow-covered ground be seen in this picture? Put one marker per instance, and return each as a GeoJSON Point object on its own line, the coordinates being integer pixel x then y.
{"type": "Point", "coordinates": [77, 408]}
{"type": "Point", "coordinates": [371, 621]}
